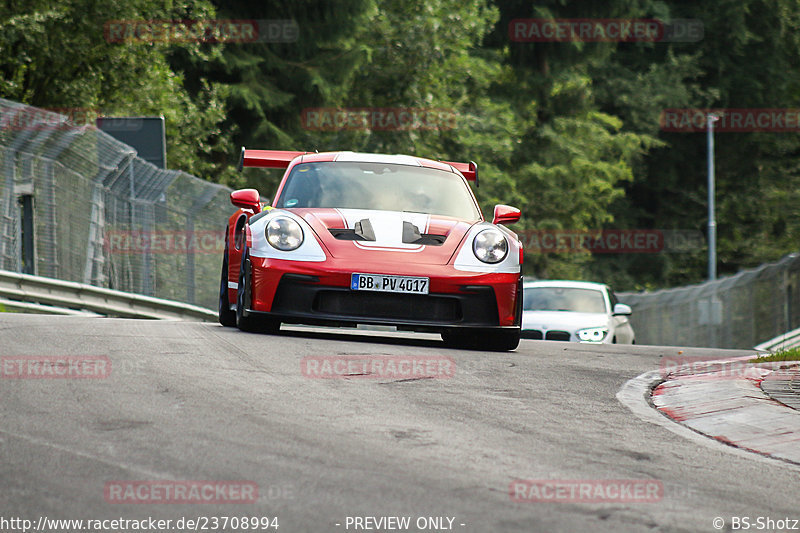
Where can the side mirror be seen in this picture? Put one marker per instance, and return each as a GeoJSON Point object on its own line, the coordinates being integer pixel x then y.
{"type": "Point", "coordinates": [622, 309]}
{"type": "Point", "coordinates": [247, 199]}
{"type": "Point", "coordinates": [505, 214]}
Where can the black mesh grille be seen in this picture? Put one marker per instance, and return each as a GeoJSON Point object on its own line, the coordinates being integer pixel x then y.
{"type": "Point", "coordinates": [532, 334]}
{"type": "Point", "coordinates": [389, 305]}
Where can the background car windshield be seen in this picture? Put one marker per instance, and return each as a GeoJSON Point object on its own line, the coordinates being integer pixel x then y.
{"type": "Point", "coordinates": [386, 187]}
{"type": "Point", "coordinates": [563, 299]}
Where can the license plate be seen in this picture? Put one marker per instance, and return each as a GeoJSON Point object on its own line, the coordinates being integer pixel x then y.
{"type": "Point", "coordinates": [384, 283]}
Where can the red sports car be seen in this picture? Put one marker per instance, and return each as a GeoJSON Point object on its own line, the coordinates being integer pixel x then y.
{"type": "Point", "coordinates": [354, 238]}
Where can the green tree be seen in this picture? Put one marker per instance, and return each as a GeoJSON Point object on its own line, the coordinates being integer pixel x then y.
{"type": "Point", "coordinates": [573, 158]}
{"type": "Point", "coordinates": [268, 84]}
{"type": "Point", "coordinates": [426, 56]}
{"type": "Point", "coordinates": [56, 55]}
{"type": "Point", "coordinates": [747, 59]}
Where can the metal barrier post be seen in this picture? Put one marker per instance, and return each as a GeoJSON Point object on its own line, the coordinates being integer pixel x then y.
{"type": "Point", "coordinates": [26, 201]}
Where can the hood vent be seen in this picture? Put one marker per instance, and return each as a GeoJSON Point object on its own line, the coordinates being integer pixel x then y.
{"type": "Point", "coordinates": [361, 232]}
{"type": "Point", "coordinates": [411, 235]}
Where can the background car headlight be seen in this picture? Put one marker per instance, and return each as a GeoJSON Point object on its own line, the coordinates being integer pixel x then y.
{"type": "Point", "coordinates": [593, 334]}
{"type": "Point", "coordinates": [490, 246]}
{"type": "Point", "coordinates": [284, 234]}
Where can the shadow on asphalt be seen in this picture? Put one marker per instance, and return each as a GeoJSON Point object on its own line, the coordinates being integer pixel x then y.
{"type": "Point", "coordinates": [352, 336]}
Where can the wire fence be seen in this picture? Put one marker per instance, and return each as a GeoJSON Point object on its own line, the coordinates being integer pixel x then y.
{"type": "Point", "coordinates": [104, 216]}
{"type": "Point", "coordinates": [739, 311]}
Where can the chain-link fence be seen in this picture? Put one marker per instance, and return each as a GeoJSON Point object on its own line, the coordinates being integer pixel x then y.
{"type": "Point", "coordinates": [739, 311]}
{"type": "Point", "coordinates": [104, 216]}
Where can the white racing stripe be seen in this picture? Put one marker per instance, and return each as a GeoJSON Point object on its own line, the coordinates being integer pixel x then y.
{"type": "Point", "coordinates": [388, 228]}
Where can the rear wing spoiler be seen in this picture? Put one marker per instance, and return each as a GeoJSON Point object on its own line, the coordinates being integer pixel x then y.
{"type": "Point", "coordinates": [266, 158]}
{"type": "Point", "coordinates": [470, 170]}
{"type": "Point", "coordinates": [282, 158]}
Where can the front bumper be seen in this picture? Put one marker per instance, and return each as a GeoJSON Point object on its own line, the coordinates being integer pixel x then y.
{"type": "Point", "coordinates": [307, 293]}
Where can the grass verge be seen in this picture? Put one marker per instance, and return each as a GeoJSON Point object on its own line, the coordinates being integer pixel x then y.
{"type": "Point", "coordinates": [792, 354]}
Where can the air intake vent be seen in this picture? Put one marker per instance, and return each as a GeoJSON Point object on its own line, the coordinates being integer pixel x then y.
{"type": "Point", "coordinates": [361, 232]}
{"type": "Point", "coordinates": [412, 235]}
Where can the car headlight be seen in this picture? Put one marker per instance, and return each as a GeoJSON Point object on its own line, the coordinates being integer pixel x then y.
{"type": "Point", "coordinates": [284, 234]}
{"type": "Point", "coordinates": [490, 246]}
{"type": "Point", "coordinates": [593, 334]}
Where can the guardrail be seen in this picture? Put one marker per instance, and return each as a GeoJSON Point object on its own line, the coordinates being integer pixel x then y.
{"type": "Point", "coordinates": [781, 342]}
{"type": "Point", "coordinates": [30, 307]}
{"type": "Point", "coordinates": [26, 292]}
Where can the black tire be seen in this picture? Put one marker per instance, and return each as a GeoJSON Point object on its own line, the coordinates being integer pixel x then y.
{"type": "Point", "coordinates": [226, 316]}
{"type": "Point", "coordinates": [244, 320]}
{"type": "Point", "coordinates": [490, 340]}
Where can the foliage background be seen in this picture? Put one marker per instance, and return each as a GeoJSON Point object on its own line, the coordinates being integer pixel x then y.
{"type": "Point", "coordinates": [568, 132]}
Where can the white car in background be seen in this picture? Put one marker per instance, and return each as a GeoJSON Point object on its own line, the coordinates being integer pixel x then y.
{"type": "Point", "coordinates": [574, 311]}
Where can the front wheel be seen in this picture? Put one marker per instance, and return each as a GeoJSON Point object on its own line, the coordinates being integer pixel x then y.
{"type": "Point", "coordinates": [226, 316]}
{"type": "Point", "coordinates": [246, 321]}
{"type": "Point", "coordinates": [492, 340]}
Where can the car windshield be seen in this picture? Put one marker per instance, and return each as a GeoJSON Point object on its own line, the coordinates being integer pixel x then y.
{"type": "Point", "coordinates": [563, 299]}
{"type": "Point", "coordinates": [379, 186]}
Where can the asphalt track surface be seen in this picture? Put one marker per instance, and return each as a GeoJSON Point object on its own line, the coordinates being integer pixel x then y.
{"type": "Point", "coordinates": [195, 401]}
